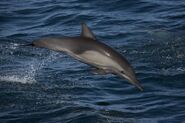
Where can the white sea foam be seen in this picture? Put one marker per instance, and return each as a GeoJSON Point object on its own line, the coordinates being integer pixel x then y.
{"type": "Point", "coordinates": [30, 71]}
{"type": "Point", "coordinates": [19, 79]}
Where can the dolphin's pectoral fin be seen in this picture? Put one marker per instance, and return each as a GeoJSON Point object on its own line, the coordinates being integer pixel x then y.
{"type": "Point", "coordinates": [100, 71]}
{"type": "Point", "coordinates": [86, 32]}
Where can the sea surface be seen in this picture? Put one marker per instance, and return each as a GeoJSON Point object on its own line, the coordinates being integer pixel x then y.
{"type": "Point", "coordinates": [42, 86]}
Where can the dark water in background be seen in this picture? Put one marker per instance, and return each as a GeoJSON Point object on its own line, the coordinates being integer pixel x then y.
{"type": "Point", "coordinates": [37, 85]}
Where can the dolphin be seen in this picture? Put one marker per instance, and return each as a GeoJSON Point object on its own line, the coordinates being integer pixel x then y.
{"type": "Point", "coordinates": [87, 49]}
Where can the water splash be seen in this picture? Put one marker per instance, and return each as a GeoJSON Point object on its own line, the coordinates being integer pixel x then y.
{"type": "Point", "coordinates": [30, 68]}
{"type": "Point", "coordinates": [19, 79]}
{"type": "Point", "coordinates": [37, 65]}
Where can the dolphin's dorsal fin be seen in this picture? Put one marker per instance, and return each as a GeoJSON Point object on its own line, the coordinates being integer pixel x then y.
{"type": "Point", "coordinates": [86, 32]}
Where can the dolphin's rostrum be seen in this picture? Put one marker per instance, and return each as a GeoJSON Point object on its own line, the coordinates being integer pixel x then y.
{"type": "Point", "coordinates": [87, 49]}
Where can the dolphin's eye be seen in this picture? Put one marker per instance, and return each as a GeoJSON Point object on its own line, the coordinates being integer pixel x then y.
{"type": "Point", "coordinates": [122, 72]}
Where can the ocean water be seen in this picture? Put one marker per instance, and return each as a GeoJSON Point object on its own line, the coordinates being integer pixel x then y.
{"type": "Point", "coordinates": [43, 86]}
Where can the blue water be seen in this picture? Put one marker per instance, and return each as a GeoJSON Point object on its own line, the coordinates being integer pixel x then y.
{"type": "Point", "coordinates": [42, 86]}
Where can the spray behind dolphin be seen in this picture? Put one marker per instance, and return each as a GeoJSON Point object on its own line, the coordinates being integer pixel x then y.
{"type": "Point", "coordinates": [87, 49]}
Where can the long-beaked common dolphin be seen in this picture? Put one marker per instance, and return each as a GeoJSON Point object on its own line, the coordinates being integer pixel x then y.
{"type": "Point", "coordinates": [87, 49]}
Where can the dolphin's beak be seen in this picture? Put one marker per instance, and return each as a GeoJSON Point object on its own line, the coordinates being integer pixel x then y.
{"type": "Point", "coordinates": [137, 84]}
{"type": "Point", "coordinates": [132, 80]}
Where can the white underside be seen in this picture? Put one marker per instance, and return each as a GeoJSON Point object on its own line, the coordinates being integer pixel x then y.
{"type": "Point", "coordinates": [98, 59]}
